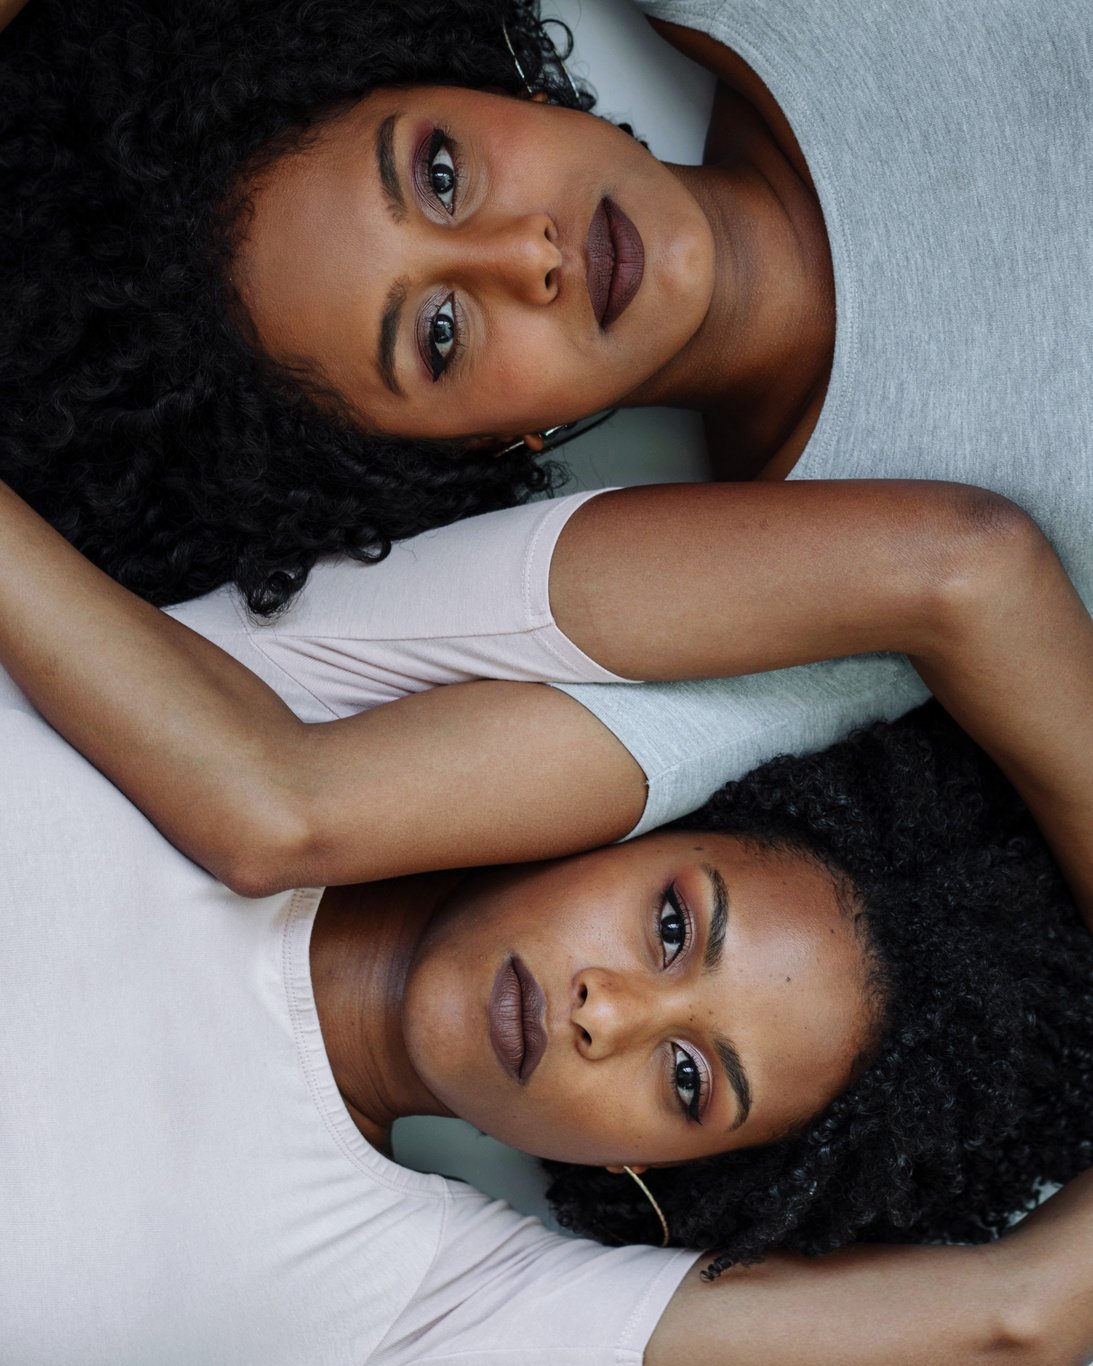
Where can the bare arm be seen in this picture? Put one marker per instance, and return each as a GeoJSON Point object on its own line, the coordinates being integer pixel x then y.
{"type": "Point", "coordinates": [967, 587]}
{"type": "Point", "coordinates": [682, 582]}
{"type": "Point", "coordinates": [1026, 1300]}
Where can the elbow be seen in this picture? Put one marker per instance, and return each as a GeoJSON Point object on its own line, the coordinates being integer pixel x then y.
{"type": "Point", "coordinates": [263, 855]}
{"type": "Point", "coordinates": [1025, 1329]}
{"type": "Point", "coordinates": [992, 541]}
{"type": "Point", "coordinates": [998, 525]}
{"type": "Point", "coordinates": [252, 879]}
{"type": "Point", "coordinates": [1020, 1340]}
{"type": "Point", "coordinates": [991, 554]}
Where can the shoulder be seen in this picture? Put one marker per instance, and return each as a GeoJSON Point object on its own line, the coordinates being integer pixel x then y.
{"type": "Point", "coordinates": [502, 1287]}
{"type": "Point", "coordinates": [741, 91]}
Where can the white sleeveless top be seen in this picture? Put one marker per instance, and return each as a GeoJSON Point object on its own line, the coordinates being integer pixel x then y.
{"type": "Point", "coordinates": [179, 1180]}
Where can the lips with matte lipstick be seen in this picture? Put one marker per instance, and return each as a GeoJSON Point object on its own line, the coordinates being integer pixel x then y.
{"type": "Point", "coordinates": [516, 1009]}
{"type": "Point", "coordinates": [616, 262]}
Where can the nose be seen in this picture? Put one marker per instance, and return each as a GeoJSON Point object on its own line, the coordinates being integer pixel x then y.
{"type": "Point", "coordinates": [518, 254]}
{"type": "Point", "coordinates": [610, 1012]}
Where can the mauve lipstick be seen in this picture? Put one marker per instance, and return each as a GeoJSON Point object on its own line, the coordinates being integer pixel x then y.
{"type": "Point", "coordinates": [616, 262]}
{"type": "Point", "coordinates": [516, 1010]}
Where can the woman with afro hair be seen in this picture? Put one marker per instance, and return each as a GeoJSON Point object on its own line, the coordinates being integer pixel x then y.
{"type": "Point", "coordinates": [302, 277]}
{"type": "Point", "coordinates": [847, 1001]}
{"type": "Point", "coordinates": [981, 1093]}
{"type": "Point", "coordinates": [308, 276]}
{"type": "Point", "coordinates": [136, 417]}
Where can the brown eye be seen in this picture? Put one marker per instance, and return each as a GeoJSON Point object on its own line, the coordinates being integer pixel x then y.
{"type": "Point", "coordinates": [672, 927]}
{"type": "Point", "coordinates": [442, 175]}
{"type": "Point", "coordinates": [689, 1082]}
{"type": "Point", "coordinates": [443, 337]}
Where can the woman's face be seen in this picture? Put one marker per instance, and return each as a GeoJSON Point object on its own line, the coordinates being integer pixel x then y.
{"type": "Point", "coordinates": [650, 1003]}
{"type": "Point", "coordinates": [463, 264]}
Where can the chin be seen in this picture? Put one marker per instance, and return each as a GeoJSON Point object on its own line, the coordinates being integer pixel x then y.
{"type": "Point", "coordinates": [687, 275]}
{"type": "Point", "coordinates": [436, 1019]}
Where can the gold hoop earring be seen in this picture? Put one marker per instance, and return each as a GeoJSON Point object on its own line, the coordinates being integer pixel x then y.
{"type": "Point", "coordinates": [652, 1200]}
{"type": "Point", "coordinates": [553, 438]}
{"type": "Point", "coordinates": [559, 61]}
{"type": "Point", "coordinates": [545, 437]}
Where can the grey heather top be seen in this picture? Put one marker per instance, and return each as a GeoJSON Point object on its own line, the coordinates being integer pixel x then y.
{"type": "Point", "coordinates": [951, 144]}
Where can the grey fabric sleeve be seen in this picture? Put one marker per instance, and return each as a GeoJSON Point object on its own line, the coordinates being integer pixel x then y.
{"type": "Point", "coordinates": [691, 738]}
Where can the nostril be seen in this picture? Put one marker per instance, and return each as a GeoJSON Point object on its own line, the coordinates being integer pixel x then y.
{"type": "Point", "coordinates": [586, 1036]}
{"type": "Point", "coordinates": [584, 994]}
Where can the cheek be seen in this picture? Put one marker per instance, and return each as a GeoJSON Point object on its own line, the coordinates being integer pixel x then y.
{"type": "Point", "coordinates": [575, 1123]}
{"type": "Point", "coordinates": [444, 1017]}
{"type": "Point", "coordinates": [598, 1114]}
{"type": "Point", "coordinates": [539, 374]}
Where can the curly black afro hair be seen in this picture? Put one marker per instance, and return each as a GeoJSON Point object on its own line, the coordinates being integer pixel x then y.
{"type": "Point", "coordinates": [981, 1089]}
{"type": "Point", "coordinates": [131, 413]}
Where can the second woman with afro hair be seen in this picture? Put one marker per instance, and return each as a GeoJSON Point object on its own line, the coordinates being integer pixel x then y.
{"type": "Point", "coordinates": [136, 416]}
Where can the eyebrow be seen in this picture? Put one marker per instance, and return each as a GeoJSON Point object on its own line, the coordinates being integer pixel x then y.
{"type": "Point", "coordinates": [396, 295]}
{"type": "Point", "coordinates": [388, 170]}
{"type": "Point", "coordinates": [737, 1077]}
{"type": "Point", "coordinates": [389, 324]}
{"type": "Point", "coordinates": [715, 948]}
{"type": "Point", "coordinates": [715, 938]}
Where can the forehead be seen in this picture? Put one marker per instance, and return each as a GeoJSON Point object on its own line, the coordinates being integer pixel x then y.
{"type": "Point", "coordinates": [308, 246]}
{"type": "Point", "coordinates": [797, 972]}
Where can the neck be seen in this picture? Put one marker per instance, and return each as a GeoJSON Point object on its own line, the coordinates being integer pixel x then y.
{"type": "Point", "coordinates": [758, 365]}
{"type": "Point", "coordinates": [362, 945]}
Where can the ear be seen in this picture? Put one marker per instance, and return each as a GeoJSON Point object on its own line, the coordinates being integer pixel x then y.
{"type": "Point", "coordinates": [619, 1171]}
{"type": "Point", "coordinates": [540, 97]}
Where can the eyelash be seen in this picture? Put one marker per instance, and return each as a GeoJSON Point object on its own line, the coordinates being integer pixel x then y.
{"type": "Point", "coordinates": [672, 902]}
{"type": "Point", "coordinates": [447, 311]}
{"type": "Point", "coordinates": [680, 1057]}
{"type": "Point", "coordinates": [438, 361]}
{"type": "Point", "coordinates": [440, 140]}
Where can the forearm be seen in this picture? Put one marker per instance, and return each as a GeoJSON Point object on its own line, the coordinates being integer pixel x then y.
{"type": "Point", "coordinates": [189, 734]}
{"type": "Point", "coordinates": [1048, 1267]}
{"type": "Point", "coordinates": [1026, 1300]}
{"type": "Point", "coordinates": [479, 773]}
